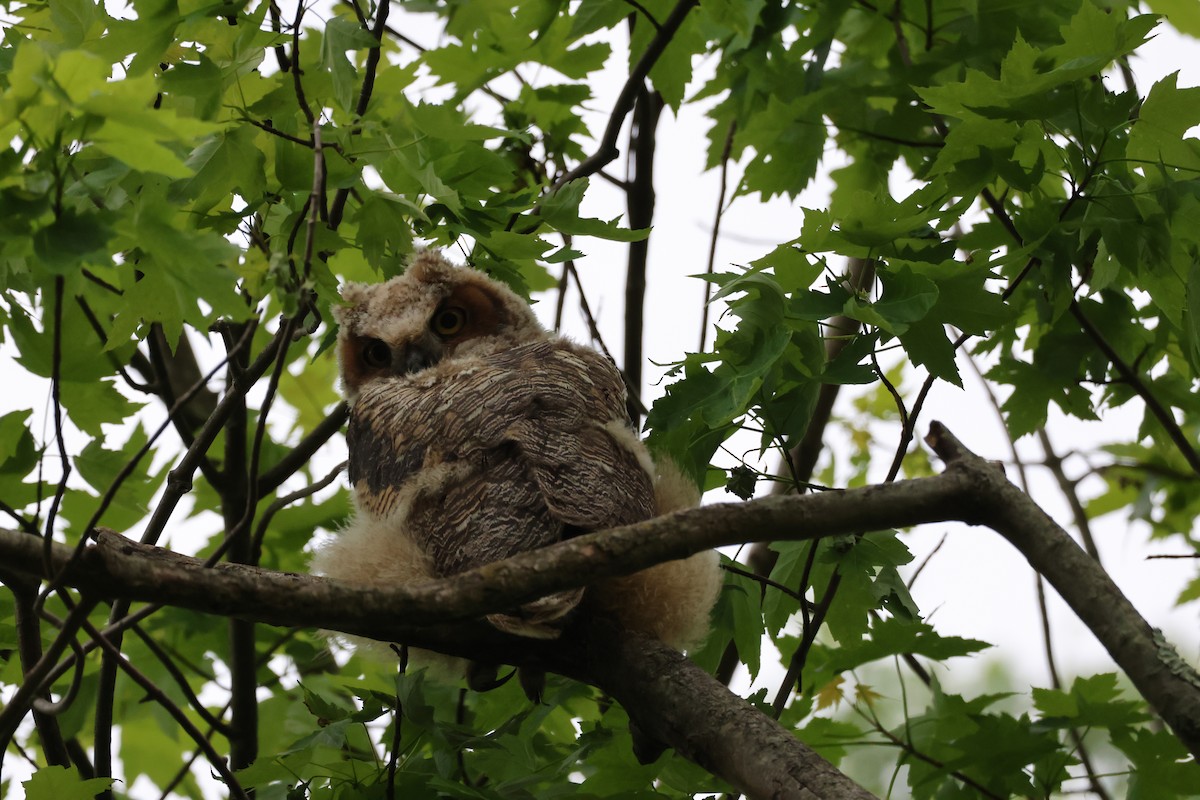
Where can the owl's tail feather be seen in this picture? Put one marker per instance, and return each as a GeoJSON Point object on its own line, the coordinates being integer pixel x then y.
{"type": "Point", "coordinates": [542, 619]}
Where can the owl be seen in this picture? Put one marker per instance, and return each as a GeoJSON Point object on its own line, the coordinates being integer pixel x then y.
{"type": "Point", "coordinates": [475, 434]}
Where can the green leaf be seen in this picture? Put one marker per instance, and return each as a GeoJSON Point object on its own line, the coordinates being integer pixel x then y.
{"type": "Point", "coordinates": [1161, 767]}
{"type": "Point", "coordinates": [344, 35]}
{"type": "Point", "coordinates": [1190, 593]}
{"type": "Point", "coordinates": [673, 69]}
{"type": "Point", "coordinates": [743, 594]}
{"type": "Point", "coordinates": [1158, 135]}
{"type": "Point", "coordinates": [18, 451]}
{"type": "Point", "coordinates": [74, 19]}
{"type": "Point", "coordinates": [71, 241]}
{"type": "Point", "coordinates": [907, 297]}
{"type": "Point", "coordinates": [790, 139]}
{"type": "Point", "coordinates": [62, 783]}
{"type": "Point", "coordinates": [561, 211]}
{"type": "Point", "coordinates": [1184, 15]}
{"type": "Point", "coordinates": [94, 404]}
{"type": "Point", "coordinates": [84, 360]}
{"type": "Point", "coordinates": [927, 344]}
{"type": "Point", "coordinates": [326, 708]}
{"type": "Point", "coordinates": [226, 163]}
{"type": "Point", "coordinates": [739, 16]}
{"type": "Point", "coordinates": [892, 637]}
{"type": "Point", "coordinates": [139, 148]}
{"type": "Point", "coordinates": [792, 267]}
{"type": "Point", "coordinates": [1092, 702]}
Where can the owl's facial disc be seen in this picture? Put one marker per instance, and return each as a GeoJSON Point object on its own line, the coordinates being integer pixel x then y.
{"type": "Point", "coordinates": [376, 356]}
{"type": "Point", "coordinates": [469, 312]}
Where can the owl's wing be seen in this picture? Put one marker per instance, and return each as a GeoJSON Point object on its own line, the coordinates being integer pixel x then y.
{"type": "Point", "coordinates": [572, 439]}
{"type": "Point", "coordinates": [573, 436]}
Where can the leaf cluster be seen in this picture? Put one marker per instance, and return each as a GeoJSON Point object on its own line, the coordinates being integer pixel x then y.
{"type": "Point", "coordinates": [187, 185]}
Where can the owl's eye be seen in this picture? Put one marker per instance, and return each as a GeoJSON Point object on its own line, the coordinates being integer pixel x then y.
{"type": "Point", "coordinates": [376, 354]}
{"type": "Point", "coordinates": [449, 321]}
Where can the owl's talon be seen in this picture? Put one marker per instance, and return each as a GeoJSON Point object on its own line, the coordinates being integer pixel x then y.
{"type": "Point", "coordinates": [533, 683]}
{"type": "Point", "coordinates": [483, 677]}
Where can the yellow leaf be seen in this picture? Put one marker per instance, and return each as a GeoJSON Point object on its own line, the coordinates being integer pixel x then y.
{"type": "Point", "coordinates": [831, 693]}
{"type": "Point", "coordinates": [867, 695]}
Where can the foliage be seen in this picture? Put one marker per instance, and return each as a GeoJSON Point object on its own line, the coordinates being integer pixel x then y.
{"type": "Point", "coordinates": [188, 183]}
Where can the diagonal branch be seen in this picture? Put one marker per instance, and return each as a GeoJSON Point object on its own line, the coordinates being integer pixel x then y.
{"type": "Point", "coordinates": [607, 150]}
{"type": "Point", "coordinates": [1160, 412]}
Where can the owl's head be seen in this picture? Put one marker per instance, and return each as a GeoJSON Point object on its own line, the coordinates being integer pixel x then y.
{"type": "Point", "coordinates": [434, 311]}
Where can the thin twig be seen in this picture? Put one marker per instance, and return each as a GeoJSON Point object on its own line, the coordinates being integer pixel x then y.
{"type": "Point", "coordinates": [632, 392]}
{"type": "Point", "coordinates": [394, 751]}
{"type": "Point", "coordinates": [606, 151]}
{"type": "Point", "coordinates": [55, 708]}
{"type": "Point", "coordinates": [56, 397]}
{"type": "Point", "coordinates": [765, 581]}
{"type": "Point", "coordinates": [1160, 412]}
{"type": "Point", "coordinates": [129, 466]}
{"type": "Point", "coordinates": [285, 501]}
{"type": "Point", "coordinates": [33, 681]}
{"type": "Point", "coordinates": [299, 455]}
{"type": "Point", "coordinates": [260, 432]}
{"type": "Point", "coordinates": [29, 650]}
{"type": "Point", "coordinates": [215, 759]}
{"type": "Point", "coordinates": [561, 293]}
{"type": "Point", "coordinates": [933, 762]}
{"type": "Point", "coordinates": [297, 85]}
{"type": "Point", "coordinates": [925, 562]}
{"type": "Point", "coordinates": [1070, 491]}
{"type": "Point", "coordinates": [896, 398]}
{"type": "Point", "coordinates": [364, 99]}
{"type": "Point", "coordinates": [800, 657]}
{"type": "Point", "coordinates": [237, 505]}
{"type": "Point", "coordinates": [641, 9]}
{"type": "Point", "coordinates": [177, 675]}
{"type": "Point", "coordinates": [115, 362]}
{"type": "Point", "coordinates": [179, 480]}
{"type": "Point", "coordinates": [726, 151]}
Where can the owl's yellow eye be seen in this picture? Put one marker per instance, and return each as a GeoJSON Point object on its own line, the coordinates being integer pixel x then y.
{"type": "Point", "coordinates": [376, 354]}
{"type": "Point", "coordinates": [449, 321]}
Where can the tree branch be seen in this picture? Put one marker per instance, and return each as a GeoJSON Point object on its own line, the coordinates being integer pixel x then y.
{"type": "Point", "coordinates": [971, 490]}
{"type": "Point", "coordinates": [640, 205]}
{"type": "Point", "coordinates": [674, 701]}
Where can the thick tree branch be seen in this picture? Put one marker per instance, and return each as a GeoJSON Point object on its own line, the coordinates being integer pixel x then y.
{"type": "Point", "coordinates": [434, 615]}
{"type": "Point", "coordinates": [674, 701]}
{"type": "Point", "coordinates": [1166, 681]}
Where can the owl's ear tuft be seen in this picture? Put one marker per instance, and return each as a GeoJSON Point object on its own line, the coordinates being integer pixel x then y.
{"type": "Point", "coordinates": [429, 266]}
{"type": "Point", "coordinates": [354, 295]}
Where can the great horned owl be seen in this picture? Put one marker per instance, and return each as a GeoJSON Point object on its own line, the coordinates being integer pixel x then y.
{"type": "Point", "coordinates": [476, 434]}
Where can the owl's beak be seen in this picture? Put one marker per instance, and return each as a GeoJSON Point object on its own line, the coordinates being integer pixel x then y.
{"type": "Point", "coordinates": [423, 353]}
